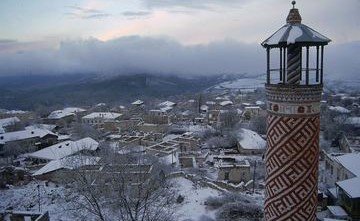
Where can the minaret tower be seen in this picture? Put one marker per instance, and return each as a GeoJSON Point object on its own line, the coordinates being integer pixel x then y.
{"type": "Point", "coordinates": [293, 91]}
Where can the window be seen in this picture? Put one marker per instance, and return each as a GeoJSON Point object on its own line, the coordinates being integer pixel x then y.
{"type": "Point", "coordinates": [227, 175]}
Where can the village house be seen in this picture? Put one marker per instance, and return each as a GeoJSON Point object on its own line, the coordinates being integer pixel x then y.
{"type": "Point", "coordinates": [20, 141]}
{"type": "Point", "coordinates": [63, 149]}
{"type": "Point", "coordinates": [9, 124]}
{"type": "Point", "coordinates": [249, 142]}
{"type": "Point", "coordinates": [157, 117]}
{"type": "Point", "coordinates": [232, 170]}
{"type": "Point", "coordinates": [64, 117]}
{"type": "Point", "coordinates": [99, 118]}
{"type": "Point", "coordinates": [349, 196]}
{"type": "Point", "coordinates": [339, 167]}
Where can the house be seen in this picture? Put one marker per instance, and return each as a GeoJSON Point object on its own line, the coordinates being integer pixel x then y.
{"type": "Point", "coordinates": [234, 171]}
{"type": "Point", "coordinates": [339, 109]}
{"type": "Point", "coordinates": [349, 196]}
{"type": "Point", "coordinates": [157, 117]}
{"type": "Point", "coordinates": [252, 111]}
{"type": "Point", "coordinates": [63, 117]}
{"type": "Point", "coordinates": [9, 124]}
{"type": "Point", "coordinates": [249, 142]}
{"type": "Point", "coordinates": [349, 144]}
{"type": "Point", "coordinates": [51, 171]}
{"type": "Point", "coordinates": [339, 167]}
{"type": "Point", "coordinates": [99, 118]}
{"type": "Point", "coordinates": [138, 103]}
{"type": "Point", "coordinates": [63, 149]}
{"type": "Point", "coordinates": [26, 139]}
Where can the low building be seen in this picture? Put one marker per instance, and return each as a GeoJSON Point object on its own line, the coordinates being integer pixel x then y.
{"type": "Point", "coordinates": [9, 124]}
{"type": "Point", "coordinates": [157, 117]}
{"type": "Point", "coordinates": [64, 117]}
{"type": "Point", "coordinates": [234, 171]}
{"type": "Point", "coordinates": [349, 196]}
{"type": "Point", "coordinates": [63, 149]}
{"type": "Point", "coordinates": [250, 143]}
{"type": "Point", "coordinates": [26, 139]}
{"type": "Point", "coordinates": [339, 167]}
{"type": "Point", "coordinates": [99, 118]}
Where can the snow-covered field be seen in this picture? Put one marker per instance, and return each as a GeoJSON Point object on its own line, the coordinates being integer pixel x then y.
{"type": "Point", "coordinates": [26, 198]}
{"type": "Point", "coordinates": [243, 83]}
{"type": "Point", "coordinates": [194, 197]}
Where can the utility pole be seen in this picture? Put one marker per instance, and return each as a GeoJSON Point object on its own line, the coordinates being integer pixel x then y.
{"type": "Point", "coordinates": [39, 199]}
{"type": "Point", "coordinates": [254, 177]}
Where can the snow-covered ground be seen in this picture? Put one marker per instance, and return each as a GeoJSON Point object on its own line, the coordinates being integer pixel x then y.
{"type": "Point", "coordinates": [25, 198]}
{"type": "Point", "coordinates": [194, 198]}
{"type": "Point", "coordinates": [243, 83]}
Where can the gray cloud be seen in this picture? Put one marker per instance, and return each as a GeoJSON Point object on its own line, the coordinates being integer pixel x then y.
{"type": "Point", "coordinates": [162, 56]}
{"type": "Point", "coordinates": [197, 4]}
{"type": "Point", "coordinates": [85, 13]}
{"type": "Point", "coordinates": [136, 14]}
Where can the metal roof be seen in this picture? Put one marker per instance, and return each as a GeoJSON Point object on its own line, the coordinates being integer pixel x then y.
{"type": "Point", "coordinates": [295, 34]}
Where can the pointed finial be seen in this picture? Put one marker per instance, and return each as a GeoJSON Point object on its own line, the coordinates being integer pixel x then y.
{"type": "Point", "coordinates": [294, 16]}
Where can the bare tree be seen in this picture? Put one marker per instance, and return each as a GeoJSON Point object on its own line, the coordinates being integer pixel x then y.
{"type": "Point", "coordinates": [123, 187]}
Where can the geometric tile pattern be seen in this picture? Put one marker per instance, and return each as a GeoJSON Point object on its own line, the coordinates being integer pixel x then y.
{"type": "Point", "coordinates": [292, 168]}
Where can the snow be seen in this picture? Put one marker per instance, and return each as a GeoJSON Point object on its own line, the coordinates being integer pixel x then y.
{"type": "Point", "coordinates": [243, 83]}
{"type": "Point", "coordinates": [260, 103]}
{"type": "Point", "coordinates": [204, 108]}
{"type": "Point", "coordinates": [166, 109]}
{"type": "Point", "coordinates": [249, 139]}
{"type": "Point", "coordinates": [58, 114]}
{"type": "Point", "coordinates": [351, 187]}
{"type": "Point", "coordinates": [49, 127]}
{"type": "Point", "coordinates": [25, 198]}
{"type": "Point", "coordinates": [24, 134]}
{"type": "Point", "coordinates": [277, 36]}
{"type": "Point", "coordinates": [353, 121]}
{"type": "Point", "coordinates": [64, 149]}
{"type": "Point", "coordinates": [294, 33]}
{"type": "Point", "coordinates": [339, 109]}
{"type": "Point", "coordinates": [194, 198]}
{"type": "Point", "coordinates": [351, 162]}
{"type": "Point", "coordinates": [8, 121]}
{"type": "Point", "coordinates": [167, 104]}
{"type": "Point", "coordinates": [104, 115]}
{"type": "Point", "coordinates": [226, 103]}
{"type": "Point", "coordinates": [71, 162]}
{"type": "Point", "coordinates": [137, 102]}
{"type": "Point", "coordinates": [337, 211]}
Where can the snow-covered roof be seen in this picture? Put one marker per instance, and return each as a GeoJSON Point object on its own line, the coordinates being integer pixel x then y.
{"type": "Point", "coordinates": [351, 162]}
{"type": "Point", "coordinates": [167, 104]}
{"type": "Point", "coordinates": [351, 187]}
{"type": "Point", "coordinates": [295, 33]}
{"type": "Point", "coordinates": [8, 121]}
{"type": "Point", "coordinates": [353, 121]}
{"type": "Point", "coordinates": [100, 105]}
{"type": "Point", "coordinates": [137, 102]}
{"type": "Point", "coordinates": [226, 103]}
{"type": "Point", "coordinates": [166, 108]}
{"type": "Point", "coordinates": [249, 139]}
{"type": "Point", "coordinates": [339, 109]}
{"type": "Point", "coordinates": [204, 107]}
{"type": "Point", "coordinates": [64, 149]}
{"type": "Point", "coordinates": [49, 127]}
{"type": "Point", "coordinates": [24, 134]}
{"type": "Point", "coordinates": [104, 115]}
{"type": "Point", "coordinates": [337, 211]}
{"type": "Point", "coordinates": [58, 114]}
{"type": "Point", "coordinates": [259, 102]}
{"type": "Point", "coordinates": [210, 102]}
{"type": "Point", "coordinates": [71, 162]}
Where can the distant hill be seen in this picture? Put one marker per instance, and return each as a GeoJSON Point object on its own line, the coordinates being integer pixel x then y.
{"type": "Point", "coordinates": [29, 92]}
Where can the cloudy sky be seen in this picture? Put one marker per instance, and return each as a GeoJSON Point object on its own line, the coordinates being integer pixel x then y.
{"type": "Point", "coordinates": [164, 36]}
